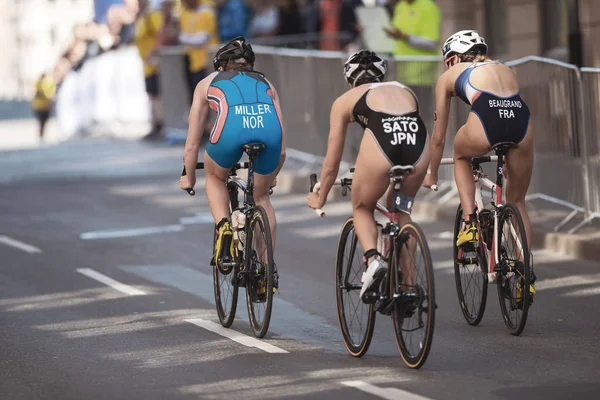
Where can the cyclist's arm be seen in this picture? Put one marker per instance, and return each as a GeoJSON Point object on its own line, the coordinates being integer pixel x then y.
{"type": "Point", "coordinates": [197, 120]}
{"type": "Point", "coordinates": [443, 96]}
{"type": "Point", "coordinates": [338, 122]}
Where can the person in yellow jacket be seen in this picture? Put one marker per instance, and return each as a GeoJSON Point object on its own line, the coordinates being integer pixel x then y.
{"type": "Point", "coordinates": [41, 104]}
{"type": "Point", "coordinates": [198, 31]}
{"type": "Point", "coordinates": [416, 27]}
{"type": "Point", "coordinates": [147, 30]}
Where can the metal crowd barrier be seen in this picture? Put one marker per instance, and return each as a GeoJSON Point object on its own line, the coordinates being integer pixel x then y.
{"type": "Point", "coordinates": [590, 120]}
{"type": "Point", "coordinates": [563, 99]}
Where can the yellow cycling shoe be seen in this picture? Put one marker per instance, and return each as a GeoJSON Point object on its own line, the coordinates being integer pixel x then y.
{"type": "Point", "coordinates": [224, 247]}
{"type": "Point", "coordinates": [520, 291]}
{"type": "Point", "coordinates": [468, 234]}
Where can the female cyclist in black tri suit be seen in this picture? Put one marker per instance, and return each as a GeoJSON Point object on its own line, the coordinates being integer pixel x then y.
{"type": "Point", "coordinates": [394, 135]}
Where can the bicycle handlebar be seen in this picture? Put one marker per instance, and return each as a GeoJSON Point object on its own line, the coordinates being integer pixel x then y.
{"type": "Point", "coordinates": [200, 165]}
{"type": "Point", "coordinates": [316, 186]}
{"type": "Point", "coordinates": [343, 182]}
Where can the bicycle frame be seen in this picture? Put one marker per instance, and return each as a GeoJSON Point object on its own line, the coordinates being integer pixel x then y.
{"type": "Point", "coordinates": [483, 181]}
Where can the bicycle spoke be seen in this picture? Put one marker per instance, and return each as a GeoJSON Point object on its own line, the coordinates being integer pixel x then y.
{"type": "Point", "coordinates": [356, 318]}
{"type": "Point", "coordinates": [414, 313]}
{"type": "Point", "coordinates": [471, 282]}
{"type": "Point", "coordinates": [513, 286]}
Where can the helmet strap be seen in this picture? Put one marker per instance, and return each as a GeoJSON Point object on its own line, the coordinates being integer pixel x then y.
{"type": "Point", "coordinates": [449, 60]}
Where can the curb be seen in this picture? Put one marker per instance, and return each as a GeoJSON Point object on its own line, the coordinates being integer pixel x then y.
{"type": "Point", "coordinates": [572, 245]}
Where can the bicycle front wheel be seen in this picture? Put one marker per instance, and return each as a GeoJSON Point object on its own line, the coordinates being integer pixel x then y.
{"type": "Point", "coordinates": [413, 289]}
{"type": "Point", "coordinates": [470, 277]}
{"type": "Point", "coordinates": [513, 270]}
{"type": "Point", "coordinates": [260, 269]}
{"type": "Point", "coordinates": [357, 319]}
{"type": "Point", "coordinates": [226, 292]}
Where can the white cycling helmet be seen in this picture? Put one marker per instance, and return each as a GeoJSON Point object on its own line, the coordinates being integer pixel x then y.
{"type": "Point", "coordinates": [364, 64]}
{"type": "Point", "coordinates": [463, 41]}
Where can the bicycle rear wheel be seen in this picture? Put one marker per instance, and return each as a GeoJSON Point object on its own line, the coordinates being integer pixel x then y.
{"type": "Point", "coordinates": [412, 286]}
{"type": "Point", "coordinates": [514, 269]}
{"type": "Point", "coordinates": [260, 269]}
{"type": "Point", "coordinates": [471, 279]}
{"type": "Point", "coordinates": [357, 319]}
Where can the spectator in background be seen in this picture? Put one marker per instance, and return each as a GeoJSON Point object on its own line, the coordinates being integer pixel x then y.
{"type": "Point", "coordinates": [290, 21]}
{"type": "Point", "coordinates": [329, 13]}
{"type": "Point", "coordinates": [41, 104]}
{"type": "Point", "coordinates": [168, 35]}
{"type": "Point", "coordinates": [119, 16]}
{"type": "Point", "coordinates": [309, 11]}
{"type": "Point", "coordinates": [147, 28]}
{"type": "Point", "coordinates": [198, 32]}
{"type": "Point", "coordinates": [265, 22]}
{"type": "Point", "coordinates": [416, 26]}
{"type": "Point", "coordinates": [234, 17]}
{"type": "Point", "coordinates": [349, 24]}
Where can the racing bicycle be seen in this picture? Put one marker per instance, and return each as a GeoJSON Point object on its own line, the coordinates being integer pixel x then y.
{"type": "Point", "coordinates": [252, 266]}
{"type": "Point", "coordinates": [501, 255]}
{"type": "Point", "coordinates": [407, 292]}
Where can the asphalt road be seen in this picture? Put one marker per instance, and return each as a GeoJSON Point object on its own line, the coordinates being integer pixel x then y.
{"type": "Point", "coordinates": [66, 335]}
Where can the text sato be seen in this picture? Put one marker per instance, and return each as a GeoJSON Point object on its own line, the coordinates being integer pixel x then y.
{"type": "Point", "coordinates": [403, 129]}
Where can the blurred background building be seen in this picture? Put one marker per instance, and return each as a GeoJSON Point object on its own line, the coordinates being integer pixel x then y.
{"type": "Point", "coordinates": [518, 28]}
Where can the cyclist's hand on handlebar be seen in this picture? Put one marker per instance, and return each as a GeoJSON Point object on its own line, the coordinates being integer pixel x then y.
{"type": "Point", "coordinates": [430, 181]}
{"type": "Point", "coordinates": [314, 201]}
{"type": "Point", "coordinates": [187, 182]}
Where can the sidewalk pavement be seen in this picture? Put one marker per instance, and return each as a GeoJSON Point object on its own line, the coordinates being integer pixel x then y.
{"type": "Point", "coordinates": [544, 216]}
{"type": "Point", "coordinates": [24, 134]}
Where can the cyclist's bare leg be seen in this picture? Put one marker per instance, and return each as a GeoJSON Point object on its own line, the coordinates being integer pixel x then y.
{"type": "Point", "coordinates": [262, 184]}
{"type": "Point", "coordinates": [470, 141]}
{"type": "Point", "coordinates": [520, 161]}
{"type": "Point", "coordinates": [410, 187]}
{"type": "Point", "coordinates": [369, 183]}
{"type": "Point", "coordinates": [216, 190]}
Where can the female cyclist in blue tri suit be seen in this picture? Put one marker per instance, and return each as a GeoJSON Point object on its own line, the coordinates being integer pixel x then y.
{"type": "Point", "coordinates": [248, 110]}
{"type": "Point", "coordinates": [498, 114]}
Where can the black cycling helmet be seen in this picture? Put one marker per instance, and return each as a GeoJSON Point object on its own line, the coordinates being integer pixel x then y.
{"type": "Point", "coordinates": [366, 66]}
{"type": "Point", "coordinates": [232, 50]}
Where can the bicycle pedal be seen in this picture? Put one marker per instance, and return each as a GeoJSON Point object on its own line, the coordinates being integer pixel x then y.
{"type": "Point", "coordinates": [241, 279]}
{"type": "Point", "coordinates": [370, 297]}
{"type": "Point", "coordinates": [226, 266]}
{"type": "Point", "coordinates": [469, 258]}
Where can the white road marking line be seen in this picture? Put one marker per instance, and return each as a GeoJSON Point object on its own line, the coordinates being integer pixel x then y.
{"type": "Point", "coordinates": [568, 281]}
{"type": "Point", "coordinates": [130, 232]}
{"type": "Point", "coordinates": [236, 336]}
{"type": "Point", "coordinates": [200, 218]}
{"type": "Point", "coordinates": [19, 245]}
{"type": "Point", "coordinates": [317, 232]}
{"type": "Point", "coordinates": [444, 235]}
{"type": "Point", "coordinates": [384, 393]}
{"type": "Point", "coordinates": [121, 287]}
